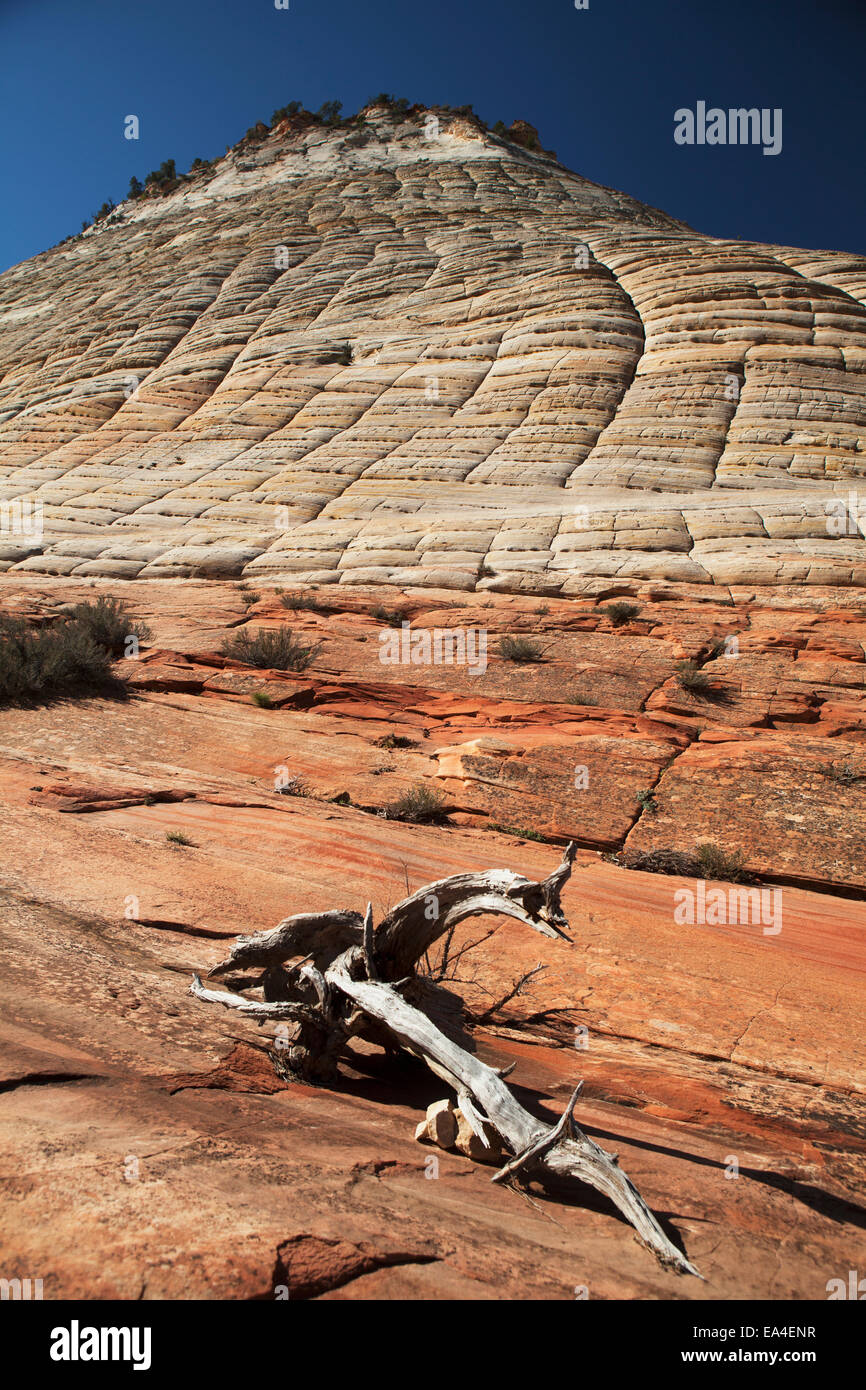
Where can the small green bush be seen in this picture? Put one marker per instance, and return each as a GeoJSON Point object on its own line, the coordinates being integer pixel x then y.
{"type": "Point", "coordinates": [400, 104]}
{"type": "Point", "coordinates": [517, 832]}
{"type": "Point", "coordinates": [307, 603]}
{"type": "Point", "coordinates": [714, 862]}
{"type": "Point", "coordinates": [620, 613]}
{"type": "Point", "coordinates": [520, 649]}
{"type": "Point", "coordinates": [421, 805]}
{"type": "Point", "coordinates": [394, 741]}
{"type": "Point", "coordinates": [283, 112]}
{"type": "Point", "coordinates": [71, 656]}
{"type": "Point", "coordinates": [165, 174]}
{"type": "Point", "coordinates": [329, 113]}
{"type": "Point", "coordinates": [109, 623]}
{"type": "Point", "coordinates": [262, 699]}
{"type": "Point", "coordinates": [274, 650]}
{"type": "Point", "coordinates": [393, 617]}
{"type": "Point", "coordinates": [296, 786]}
{"type": "Point", "coordinates": [647, 802]}
{"type": "Point", "coordinates": [690, 676]}
{"type": "Point", "coordinates": [177, 837]}
{"type": "Point", "coordinates": [38, 664]}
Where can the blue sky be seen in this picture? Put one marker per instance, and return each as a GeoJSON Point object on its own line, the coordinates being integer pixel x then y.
{"type": "Point", "coordinates": [601, 85]}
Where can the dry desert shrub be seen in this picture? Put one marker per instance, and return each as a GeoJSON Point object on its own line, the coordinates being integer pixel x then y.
{"type": "Point", "coordinates": [269, 650]}
{"type": "Point", "coordinates": [71, 656]}
{"type": "Point", "coordinates": [520, 649]}
{"type": "Point", "coordinates": [620, 612]}
{"type": "Point", "coordinates": [421, 805]}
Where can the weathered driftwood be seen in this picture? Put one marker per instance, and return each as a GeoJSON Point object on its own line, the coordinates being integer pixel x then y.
{"type": "Point", "coordinates": [332, 976]}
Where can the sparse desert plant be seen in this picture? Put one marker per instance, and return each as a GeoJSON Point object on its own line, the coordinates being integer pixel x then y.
{"type": "Point", "coordinates": [421, 805]}
{"type": "Point", "coordinates": [690, 676]}
{"type": "Point", "coordinates": [262, 699]}
{"type": "Point", "coordinates": [303, 603]}
{"type": "Point", "coordinates": [249, 597]}
{"type": "Point", "coordinates": [520, 649]}
{"type": "Point", "coordinates": [163, 177]}
{"type": "Point", "coordinates": [392, 617]}
{"type": "Point", "coordinates": [329, 113]}
{"type": "Point", "coordinates": [647, 802]}
{"type": "Point", "coordinates": [295, 786]}
{"type": "Point", "coordinates": [283, 112]}
{"type": "Point", "coordinates": [269, 649]}
{"type": "Point", "coordinates": [386, 99]}
{"type": "Point", "coordinates": [714, 862]}
{"type": "Point", "coordinates": [40, 664]}
{"type": "Point", "coordinates": [177, 837]}
{"type": "Point", "coordinates": [843, 773]}
{"type": "Point", "coordinates": [517, 832]}
{"type": "Point", "coordinates": [705, 861]}
{"type": "Point", "coordinates": [108, 622]}
{"type": "Point", "coordinates": [621, 612]}
{"type": "Point", "coordinates": [394, 741]}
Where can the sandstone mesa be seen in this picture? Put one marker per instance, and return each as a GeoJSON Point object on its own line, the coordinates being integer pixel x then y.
{"type": "Point", "coordinates": [549, 382]}
{"type": "Point", "coordinates": [439, 372]}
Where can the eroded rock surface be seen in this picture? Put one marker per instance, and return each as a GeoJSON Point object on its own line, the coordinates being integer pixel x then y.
{"type": "Point", "coordinates": [402, 353]}
{"type": "Point", "coordinates": [438, 383]}
{"type": "Point", "coordinates": [150, 1148]}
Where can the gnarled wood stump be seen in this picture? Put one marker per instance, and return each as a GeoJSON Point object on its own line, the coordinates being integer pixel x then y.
{"type": "Point", "coordinates": [332, 976]}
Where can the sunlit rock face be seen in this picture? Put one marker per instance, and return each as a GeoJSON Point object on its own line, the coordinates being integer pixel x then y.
{"type": "Point", "coordinates": [388, 354]}
{"type": "Point", "coordinates": [406, 351]}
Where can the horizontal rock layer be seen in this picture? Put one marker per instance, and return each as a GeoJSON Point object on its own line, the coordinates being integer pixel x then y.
{"type": "Point", "coordinates": [158, 1131]}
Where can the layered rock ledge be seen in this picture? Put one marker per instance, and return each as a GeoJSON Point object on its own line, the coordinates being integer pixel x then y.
{"type": "Point", "coordinates": [150, 1148]}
